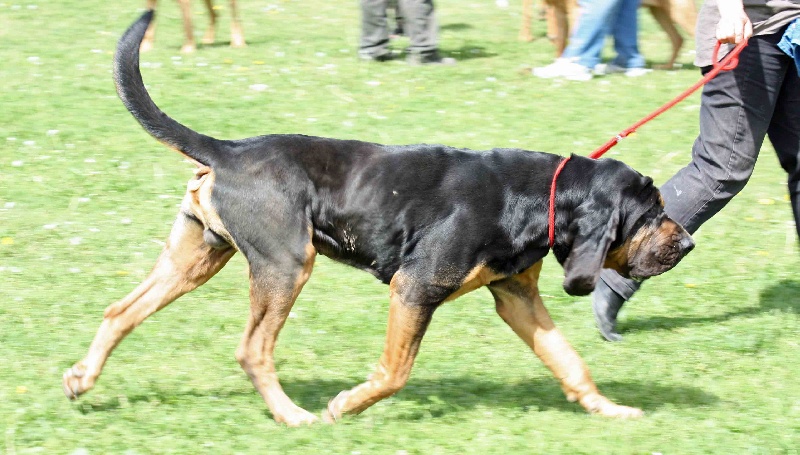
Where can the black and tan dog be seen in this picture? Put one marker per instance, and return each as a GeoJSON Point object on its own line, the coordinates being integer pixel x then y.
{"type": "Point", "coordinates": [432, 222]}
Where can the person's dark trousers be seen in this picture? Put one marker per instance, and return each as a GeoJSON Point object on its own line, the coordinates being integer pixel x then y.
{"type": "Point", "coordinates": [419, 22]}
{"type": "Point", "coordinates": [374, 31]}
{"type": "Point", "coordinates": [760, 97]}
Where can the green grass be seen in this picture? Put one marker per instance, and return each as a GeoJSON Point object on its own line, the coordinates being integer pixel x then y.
{"type": "Point", "coordinates": [86, 197]}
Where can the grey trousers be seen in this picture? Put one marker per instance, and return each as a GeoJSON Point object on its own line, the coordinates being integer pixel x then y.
{"type": "Point", "coordinates": [738, 108]}
{"type": "Point", "coordinates": [419, 23]}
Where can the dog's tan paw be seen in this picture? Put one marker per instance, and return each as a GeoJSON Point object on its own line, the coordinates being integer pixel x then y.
{"type": "Point", "coordinates": [75, 381]}
{"type": "Point", "coordinates": [598, 404]}
{"type": "Point", "coordinates": [335, 407]}
{"type": "Point", "coordinates": [296, 417]}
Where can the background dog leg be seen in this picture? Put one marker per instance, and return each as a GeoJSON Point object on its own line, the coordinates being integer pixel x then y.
{"type": "Point", "coordinates": [189, 45]}
{"type": "Point", "coordinates": [185, 263]}
{"type": "Point", "coordinates": [211, 31]}
{"type": "Point", "coordinates": [558, 21]}
{"type": "Point", "coordinates": [519, 304]}
{"type": "Point", "coordinates": [150, 34]}
{"type": "Point", "coordinates": [527, 14]}
{"type": "Point", "coordinates": [237, 35]}
{"type": "Point", "coordinates": [662, 16]}
{"type": "Point", "coordinates": [273, 290]}
{"type": "Point", "coordinates": [408, 322]}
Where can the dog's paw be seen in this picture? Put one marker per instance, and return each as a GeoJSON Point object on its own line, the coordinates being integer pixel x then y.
{"type": "Point", "coordinates": [75, 381]}
{"type": "Point", "coordinates": [296, 417]}
{"type": "Point", "coordinates": [598, 404]}
{"type": "Point", "coordinates": [335, 407]}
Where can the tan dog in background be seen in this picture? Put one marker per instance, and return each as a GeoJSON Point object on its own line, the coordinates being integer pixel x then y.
{"type": "Point", "coordinates": [562, 14]}
{"type": "Point", "coordinates": [237, 36]}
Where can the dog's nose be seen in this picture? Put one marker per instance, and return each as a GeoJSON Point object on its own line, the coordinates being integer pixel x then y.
{"type": "Point", "coordinates": [687, 244]}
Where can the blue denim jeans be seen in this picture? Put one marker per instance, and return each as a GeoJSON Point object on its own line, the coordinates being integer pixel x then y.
{"type": "Point", "coordinates": [738, 109]}
{"type": "Point", "coordinates": [601, 18]}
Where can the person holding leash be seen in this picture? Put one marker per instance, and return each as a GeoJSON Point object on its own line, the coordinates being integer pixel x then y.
{"type": "Point", "coordinates": [738, 109]}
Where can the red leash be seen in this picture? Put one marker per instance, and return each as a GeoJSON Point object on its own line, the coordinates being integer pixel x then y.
{"type": "Point", "coordinates": [728, 63]}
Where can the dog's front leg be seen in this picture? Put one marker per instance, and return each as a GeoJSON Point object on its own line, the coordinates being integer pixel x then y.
{"type": "Point", "coordinates": [408, 321]}
{"type": "Point", "coordinates": [520, 306]}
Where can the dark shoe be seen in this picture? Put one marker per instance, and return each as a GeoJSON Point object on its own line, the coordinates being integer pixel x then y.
{"type": "Point", "coordinates": [606, 305]}
{"type": "Point", "coordinates": [432, 58]}
{"type": "Point", "coordinates": [376, 58]}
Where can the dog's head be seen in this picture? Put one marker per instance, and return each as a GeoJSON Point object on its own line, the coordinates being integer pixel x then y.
{"type": "Point", "coordinates": [621, 225]}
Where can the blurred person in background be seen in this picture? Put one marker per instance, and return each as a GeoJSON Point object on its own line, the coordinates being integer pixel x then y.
{"type": "Point", "coordinates": [418, 23]}
{"type": "Point", "coordinates": [596, 20]}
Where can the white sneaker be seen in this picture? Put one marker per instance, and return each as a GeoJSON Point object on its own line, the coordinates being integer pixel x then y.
{"type": "Point", "coordinates": [612, 68]}
{"type": "Point", "coordinates": [564, 68]}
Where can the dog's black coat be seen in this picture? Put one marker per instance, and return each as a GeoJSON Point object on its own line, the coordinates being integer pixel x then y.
{"type": "Point", "coordinates": [435, 212]}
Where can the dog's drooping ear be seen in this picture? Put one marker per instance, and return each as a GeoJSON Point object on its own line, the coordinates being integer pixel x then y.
{"type": "Point", "coordinates": [593, 232]}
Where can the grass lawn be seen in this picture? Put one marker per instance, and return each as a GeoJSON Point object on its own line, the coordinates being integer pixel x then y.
{"type": "Point", "coordinates": [87, 198]}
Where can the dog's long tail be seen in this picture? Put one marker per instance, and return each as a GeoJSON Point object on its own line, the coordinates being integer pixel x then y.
{"type": "Point", "coordinates": [133, 93]}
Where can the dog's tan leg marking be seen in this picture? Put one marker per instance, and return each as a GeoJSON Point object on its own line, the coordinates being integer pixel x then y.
{"type": "Point", "coordinates": [189, 45]}
{"type": "Point", "coordinates": [149, 35]}
{"type": "Point", "coordinates": [271, 298]}
{"type": "Point", "coordinates": [477, 278]}
{"type": "Point", "coordinates": [185, 263]}
{"type": "Point", "coordinates": [237, 35]}
{"type": "Point", "coordinates": [407, 325]}
{"type": "Point", "coordinates": [210, 34]}
{"type": "Point", "coordinates": [519, 304]}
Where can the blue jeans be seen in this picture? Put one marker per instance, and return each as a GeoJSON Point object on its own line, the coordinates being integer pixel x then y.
{"type": "Point", "coordinates": [598, 19]}
{"type": "Point", "coordinates": [738, 109]}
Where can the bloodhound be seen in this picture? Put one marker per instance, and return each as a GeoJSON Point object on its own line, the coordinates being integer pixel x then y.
{"type": "Point", "coordinates": [432, 222]}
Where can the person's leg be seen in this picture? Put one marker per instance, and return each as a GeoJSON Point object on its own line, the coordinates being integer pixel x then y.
{"type": "Point", "coordinates": [374, 32]}
{"type": "Point", "coordinates": [626, 39]}
{"type": "Point", "coordinates": [735, 112]}
{"type": "Point", "coordinates": [784, 133]}
{"type": "Point", "coordinates": [420, 26]}
{"type": "Point", "coordinates": [593, 25]}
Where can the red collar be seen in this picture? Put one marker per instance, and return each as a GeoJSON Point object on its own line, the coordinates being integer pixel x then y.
{"type": "Point", "coordinates": [552, 214]}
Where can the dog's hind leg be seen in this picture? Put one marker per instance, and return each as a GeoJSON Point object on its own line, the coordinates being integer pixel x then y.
{"type": "Point", "coordinates": [409, 317]}
{"type": "Point", "coordinates": [273, 290]}
{"type": "Point", "coordinates": [519, 304]}
{"type": "Point", "coordinates": [185, 263]}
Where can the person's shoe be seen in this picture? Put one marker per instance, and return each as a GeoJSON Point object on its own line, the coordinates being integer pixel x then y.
{"type": "Point", "coordinates": [564, 68]}
{"type": "Point", "coordinates": [433, 58]}
{"type": "Point", "coordinates": [606, 305]}
{"type": "Point", "coordinates": [385, 57]}
{"type": "Point", "coordinates": [612, 68]}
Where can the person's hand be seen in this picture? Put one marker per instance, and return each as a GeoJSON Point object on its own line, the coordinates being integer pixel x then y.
{"type": "Point", "coordinates": [734, 26]}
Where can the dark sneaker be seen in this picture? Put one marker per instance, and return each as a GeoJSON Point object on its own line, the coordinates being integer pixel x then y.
{"type": "Point", "coordinates": [429, 59]}
{"type": "Point", "coordinates": [376, 58]}
{"type": "Point", "coordinates": [606, 305]}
